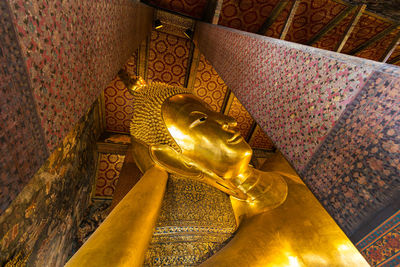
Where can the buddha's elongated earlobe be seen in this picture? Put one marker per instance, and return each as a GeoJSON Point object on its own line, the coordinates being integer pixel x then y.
{"type": "Point", "coordinates": [173, 161]}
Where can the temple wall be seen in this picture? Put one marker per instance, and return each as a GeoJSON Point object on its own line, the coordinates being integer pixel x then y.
{"type": "Point", "coordinates": [42, 222]}
{"type": "Point", "coordinates": [56, 57]}
{"type": "Point", "coordinates": [336, 118]}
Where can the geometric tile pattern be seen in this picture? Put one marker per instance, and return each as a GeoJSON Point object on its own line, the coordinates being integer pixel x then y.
{"type": "Point", "coordinates": [362, 154]}
{"type": "Point", "coordinates": [108, 173]}
{"type": "Point", "coordinates": [72, 50]}
{"type": "Point", "coordinates": [168, 58]}
{"type": "Point", "coordinates": [335, 118]}
{"type": "Point", "coordinates": [295, 94]}
{"type": "Point", "coordinates": [22, 144]}
{"type": "Point", "coordinates": [381, 247]}
{"type": "Point", "coordinates": [245, 15]}
{"type": "Point", "coordinates": [55, 58]}
{"type": "Point", "coordinates": [208, 85]}
{"type": "Point", "coordinates": [311, 16]}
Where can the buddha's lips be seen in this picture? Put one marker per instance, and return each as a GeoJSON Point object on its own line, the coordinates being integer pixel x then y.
{"type": "Point", "coordinates": [235, 139]}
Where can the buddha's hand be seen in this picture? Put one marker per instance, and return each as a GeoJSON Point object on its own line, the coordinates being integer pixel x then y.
{"type": "Point", "coordinates": [264, 190]}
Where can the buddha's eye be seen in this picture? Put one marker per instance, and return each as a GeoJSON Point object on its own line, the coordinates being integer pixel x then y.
{"type": "Point", "coordinates": [198, 121]}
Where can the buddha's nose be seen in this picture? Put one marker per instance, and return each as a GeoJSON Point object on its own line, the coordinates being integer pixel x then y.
{"type": "Point", "coordinates": [227, 122]}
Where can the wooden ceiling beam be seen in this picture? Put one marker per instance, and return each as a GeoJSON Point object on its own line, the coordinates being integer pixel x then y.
{"type": "Point", "coordinates": [389, 51]}
{"type": "Point", "coordinates": [252, 131]}
{"type": "Point", "coordinates": [227, 103]}
{"type": "Point", "coordinates": [192, 67]}
{"type": "Point", "coordinates": [394, 60]}
{"type": "Point", "coordinates": [289, 19]}
{"type": "Point", "coordinates": [217, 12]}
{"type": "Point", "coordinates": [273, 16]}
{"type": "Point", "coordinates": [350, 27]}
{"type": "Point", "coordinates": [111, 148]}
{"type": "Point", "coordinates": [209, 11]}
{"type": "Point", "coordinates": [189, 66]}
{"type": "Point", "coordinates": [332, 24]}
{"type": "Point", "coordinates": [374, 39]}
{"type": "Point", "coordinates": [142, 59]}
{"type": "Point", "coordinates": [102, 113]}
{"type": "Point", "coordinates": [212, 11]}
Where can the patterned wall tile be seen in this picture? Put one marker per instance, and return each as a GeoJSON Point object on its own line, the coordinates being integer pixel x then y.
{"type": "Point", "coordinates": [208, 85]}
{"type": "Point", "coordinates": [118, 101]}
{"type": "Point", "coordinates": [193, 8]}
{"type": "Point", "coordinates": [247, 15]}
{"type": "Point", "coordinates": [362, 153]}
{"type": "Point", "coordinates": [242, 117]}
{"type": "Point", "coordinates": [53, 67]}
{"type": "Point", "coordinates": [381, 247]}
{"type": "Point", "coordinates": [168, 58]}
{"type": "Point", "coordinates": [311, 16]}
{"type": "Point", "coordinates": [109, 168]}
{"type": "Point", "coordinates": [72, 50]}
{"type": "Point", "coordinates": [41, 223]}
{"type": "Point", "coordinates": [296, 93]}
{"type": "Point", "coordinates": [260, 140]}
{"type": "Point", "coordinates": [376, 50]}
{"type": "Point", "coordinates": [366, 28]}
{"type": "Point", "coordinates": [22, 142]}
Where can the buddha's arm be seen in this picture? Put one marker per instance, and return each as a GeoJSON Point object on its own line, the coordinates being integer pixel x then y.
{"type": "Point", "coordinates": [123, 238]}
{"type": "Point", "coordinates": [297, 233]}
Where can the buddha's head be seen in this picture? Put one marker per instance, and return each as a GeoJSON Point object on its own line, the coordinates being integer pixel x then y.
{"type": "Point", "coordinates": [183, 132]}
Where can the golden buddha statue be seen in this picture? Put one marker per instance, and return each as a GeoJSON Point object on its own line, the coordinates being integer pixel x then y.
{"type": "Point", "coordinates": [177, 136]}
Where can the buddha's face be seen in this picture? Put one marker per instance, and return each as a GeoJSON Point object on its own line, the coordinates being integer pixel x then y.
{"type": "Point", "coordinates": [206, 137]}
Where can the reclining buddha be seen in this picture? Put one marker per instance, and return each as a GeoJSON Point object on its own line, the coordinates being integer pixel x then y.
{"type": "Point", "coordinates": [255, 218]}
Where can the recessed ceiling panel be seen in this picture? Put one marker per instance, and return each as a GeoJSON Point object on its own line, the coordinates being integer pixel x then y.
{"type": "Point", "coordinates": [118, 101]}
{"type": "Point", "coordinates": [109, 168]}
{"type": "Point", "coordinates": [208, 85]}
{"type": "Point", "coordinates": [192, 8]}
{"type": "Point", "coordinates": [168, 58]}
{"type": "Point", "coordinates": [245, 15]}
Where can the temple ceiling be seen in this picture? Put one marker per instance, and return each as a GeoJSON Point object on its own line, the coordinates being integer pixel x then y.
{"type": "Point", "coordinates": [367, 29]}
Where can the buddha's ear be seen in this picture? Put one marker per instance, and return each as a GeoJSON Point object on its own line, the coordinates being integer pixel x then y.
{"type": "Point", "coordinates": [172, 161]}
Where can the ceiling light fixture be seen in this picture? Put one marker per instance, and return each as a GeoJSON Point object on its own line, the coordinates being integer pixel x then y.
{"type": "Point", "coordinates": [158, 24]}
{"type": "Point", "coordinates": [188, 33]}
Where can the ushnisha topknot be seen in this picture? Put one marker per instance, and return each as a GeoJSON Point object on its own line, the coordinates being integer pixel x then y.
{"type": "Point", "coordinates": [147, 124]}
